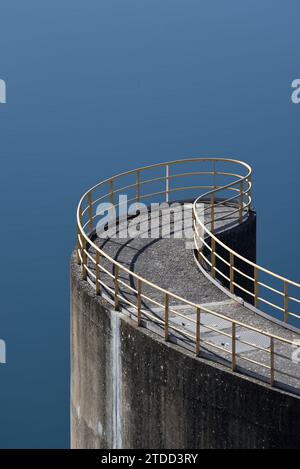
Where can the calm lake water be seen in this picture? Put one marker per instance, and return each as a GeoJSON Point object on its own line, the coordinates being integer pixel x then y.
{"type": "Point", "coordinates": [94, 88]}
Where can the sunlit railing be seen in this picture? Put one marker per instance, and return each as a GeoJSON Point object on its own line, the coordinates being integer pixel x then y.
{"type": "Point", "coordinates": [267, 291]}
{"type": "Point", "coordinates": [221, 183]}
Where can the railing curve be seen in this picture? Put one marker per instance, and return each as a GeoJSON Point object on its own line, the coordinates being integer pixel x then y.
{"type": "Point", "coordinates": [208, 255]}
{"type": "Point", "coordinates": [210, 175]}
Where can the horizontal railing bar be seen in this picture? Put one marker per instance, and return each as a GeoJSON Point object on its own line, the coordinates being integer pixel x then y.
{"type": "Point", "coordinates": [243, 273]}
{"type": "Point", "coordinates": [182, 316]}
{"type": "Point", "coordinates": [256, 347]}
{"type": "Point", "coordinates": [125, 300]}
{"type": "Point", "coordinates": [271, 304]}
{"type": "Point", "coordinates": [224, 217]}
{"type": "Point", "coordinates": [205, 173]}
{"type": "Point", "coordinates": [170, 163]}
{"type": "Point", "coordinates": [152, 194]}
{"type": "Point", "coordinates": [155, 302]}
{"type": "Point", "coordinates": [133, 185]}
{"type": "Point", "coordinates": [274, 290]}
{"type": "Point", "coordinates": [153, 318]}
{"type": "Point", "coordinates": [205, 243]}
{"type": "Point", "coordinates": [79, 255]}
{"type": "Point", "coordinates": [294, 315]}
{"type": "Point", "coordinates": [205, 258]}
{"type": "Point", "coordinates": [294, 299]}
{"type": "Point", "coordinates": [222, 259]}
{"type": "Point", "coordinates": [107, 287]}
{"type": "Point", "coordinates": [222, 274]}
{"type": "Point", "coordinates": [206, 342]}
{"type": "Point", "coordinates": [214, 329]}
{"type": "Point", "coordinates": [89, 256]}
{"type": "Point", "coordinates": [243, 289]}
{"type": "Point", "coordinates": [250, 360]}
{"type": "Point", "coordinates": [223, 202]}
{"type": "Point", "coordinates": [203, 341]}
{"type": "Point", "coordinates": [252, 264]}
{"type": "Point", "coordinates": [148, 181]}
{"type": "Point", "coordinates": [89, 271]}
{"type": "Point", "coordinates": [247, 327]}
{"type": "Point", "coordinates": [85, 243]}
{"type": "Point", "coordinates": [122, 282]}
{"type": "Point", "coordinates": [79, 240]}
{"type": "Point", "coordinates": [107, 272]}
{"type": "Point", "coordinates": [228, 200]}
{"type": "Point", "coordinates": [283, 357]}
{"type": "Point", "coordinates": [162, 178]}
{"type": "Point", "coordinates": [285, 373]}
{"type": "Point", "coordinates": [181, 331]}
{"type": "Point", "coordinates": [180, 299]}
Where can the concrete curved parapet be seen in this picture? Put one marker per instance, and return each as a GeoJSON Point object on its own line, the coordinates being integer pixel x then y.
{"type": "Point", "coordinates": [141, 306]}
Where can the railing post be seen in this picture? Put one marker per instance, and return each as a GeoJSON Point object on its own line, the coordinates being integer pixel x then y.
{"type": "Point", "coordinates": [139, 301]}
{"type": "Point", "coordinates": [231, 272]}
{"type": "Point", "coordinates": [194, 229]}
{"type": "Point", "coordinates": [84, 259]}
{"type": "Point", "coordinates": [272, 364]}
{"type": "Point", "coordinates": [80, 217]}
{"type": "Point", "coordinates": [98, 286]}
{"type": "Point", "coordinates": [233, 347]}
{"type": "Point", "coordinates": [241, 201]}
{"type": "Point", "coordinates": [90, 211]}
{"type": "Point", "coordinates": [167, 317]}
{"type": "Point", "coordinates": [213, 241]}
{"type": "Point", "coordinates": [78, 247]}
{"type": "Point", "coordinates": [286, 302]}
{"type": "Point", "coordinates": [116, 279]}
{"type": "Point", "coordinates": [214, 174]}
{"type": "Point", "coordinates": [137, 185]}
{"type": "Point", "coordinates": [249, 191]}
{"type": "Point", "coordinates": [79, 239]}
{"type": "Point", "coordinates": [196, 239]}
{"type": "Point", "coordinates": [212, 212]}
{"type": "Point", "coordinates": [111, 191]}
{"type": "Point", "coordinates": [167, 182]}
{"type": "Point", "coordinates": [255, 287]}
{"type": "Point", "coordinates": [213, 257]}
{"type": "Point", "coordinates": [198, 332]}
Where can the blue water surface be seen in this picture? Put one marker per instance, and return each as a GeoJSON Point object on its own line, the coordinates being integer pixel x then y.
{"type": "Point", "coordinates": [100, 86]}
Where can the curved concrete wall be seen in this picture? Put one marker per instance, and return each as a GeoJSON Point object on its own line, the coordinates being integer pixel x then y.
{"type": "Point", "coordinates": [242, 239]}
{"type": "Point", "coordinates": [132, 390]}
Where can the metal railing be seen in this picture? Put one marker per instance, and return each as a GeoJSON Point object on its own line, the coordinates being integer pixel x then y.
{"type": "Point", "coordinates": [260, 290]}
{"type": "Point", "coordinates": [271, 354]}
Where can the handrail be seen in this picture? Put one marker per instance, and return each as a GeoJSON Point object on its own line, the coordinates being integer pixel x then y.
{"type": "Point", "coordinates": [86, 208]}
{"type": "Point", "coordinates": [236, 254]}
{"type": "Point", "coordinates": [216, 242]}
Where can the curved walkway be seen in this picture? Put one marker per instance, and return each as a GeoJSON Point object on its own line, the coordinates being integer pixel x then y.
{"type": "Point", "coordinates": [158, 283]}
{"type": "Point", "coordinates": [167, 263]}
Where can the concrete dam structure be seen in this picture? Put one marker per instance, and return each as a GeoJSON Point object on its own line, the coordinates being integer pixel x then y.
{"type": "Point", "coordinates": [179, 338]}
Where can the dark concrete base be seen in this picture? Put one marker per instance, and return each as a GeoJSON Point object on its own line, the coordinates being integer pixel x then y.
{"type": "Point", "coordinates": [132, 390]}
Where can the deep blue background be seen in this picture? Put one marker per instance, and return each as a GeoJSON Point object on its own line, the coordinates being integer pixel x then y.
{"type": "Point", "coordinates": [100, 86]}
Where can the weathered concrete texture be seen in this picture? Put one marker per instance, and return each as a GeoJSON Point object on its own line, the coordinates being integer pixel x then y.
{"type": "Point", "coordinates": [132, 390]}
{"type": "Point", "coordinates": [91, 383]}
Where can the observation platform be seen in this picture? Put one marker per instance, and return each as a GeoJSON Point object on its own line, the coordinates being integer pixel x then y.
{"type": "Point", "coordinates": [180, 339]}
{"type": "Point", "coordinates": [171, 264]}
